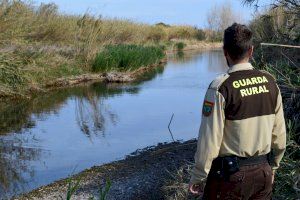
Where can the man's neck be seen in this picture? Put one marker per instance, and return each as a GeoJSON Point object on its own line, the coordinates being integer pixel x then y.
{"type": "Point", "coordinates": [239, 62]}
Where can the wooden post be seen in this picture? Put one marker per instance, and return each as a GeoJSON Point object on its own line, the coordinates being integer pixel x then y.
{"type": "Point", "coordinates": [279, 45]}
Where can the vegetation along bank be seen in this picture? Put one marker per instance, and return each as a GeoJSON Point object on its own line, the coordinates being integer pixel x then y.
{"type": "Point", "coordinates": [41, 48]}
{"type": "Point", "coordinates": [74, 51]}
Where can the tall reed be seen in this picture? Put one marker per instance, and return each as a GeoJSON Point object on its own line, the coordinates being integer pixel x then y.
{"type": "Point", "coordinates": [126, 57]}
{"type": "Point", "coordinates": [43, 44]}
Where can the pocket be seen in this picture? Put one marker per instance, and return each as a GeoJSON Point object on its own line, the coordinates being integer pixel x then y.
{"type": "Point", "coordinates": [268, 177]}
{"type": "Point", "coordinates": [232, 188]}
{"type": "Point", "coordinates": [237, 177]}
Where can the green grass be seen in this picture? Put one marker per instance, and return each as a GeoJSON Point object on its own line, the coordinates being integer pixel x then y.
{"type": "Point", "coordinates": [287, 185]}
{"type": "Point", "coordinates": [39, 44]}
{"type": "Point", "coordinates": [288, 175]}
{"type": "Point", "coordinates": [74, 185]}
{"type": "Point", "coordinates": [284, 64]}
{"type": "Point", "coordinates": [180, 46]}
{"type": "Point", "coordinates": [72, 188]}
{"type": "Point", "coordinates": [126, 57]}
{"type": "Point", "coordinates": [12, 77]}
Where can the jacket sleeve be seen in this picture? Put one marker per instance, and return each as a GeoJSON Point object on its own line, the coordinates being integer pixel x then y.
{"type": "Point", "coordinates": [278, 144]}
{"type": "Point", "coordinates": [210, 135]}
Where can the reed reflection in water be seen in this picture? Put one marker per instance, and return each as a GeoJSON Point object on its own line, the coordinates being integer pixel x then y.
{"type": "Point", "coordinates": [45, 138]}
{"type": "Point", "coordinates": [19, 148]}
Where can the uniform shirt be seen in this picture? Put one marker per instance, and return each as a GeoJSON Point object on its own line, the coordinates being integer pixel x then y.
{"type": "Point", "coordinates": [242, 115]}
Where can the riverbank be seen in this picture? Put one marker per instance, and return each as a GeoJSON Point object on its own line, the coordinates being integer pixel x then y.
{"type": "Point", "coordinates": [150, 173]}
{"type": "Point", "coordinates": [20, 82]}
{"type": "Point", "coordinates": [190, 45]}
{"type": "Point", "coordinates": [109, 77]}
{"type": "Point", "coordinates": [129, 76]}
{"type": "Point", "coordinates": [39, 45]}
{"type": "Point", "coordinates": [114, 63]}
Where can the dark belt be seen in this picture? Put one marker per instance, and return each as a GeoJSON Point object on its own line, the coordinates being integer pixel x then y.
{"type": "Point", "coordinates": [254, 160]}
{"type": "Point", "coordinates": [242, 161]}
{"type": "Point", "coordinates": [223, 167]}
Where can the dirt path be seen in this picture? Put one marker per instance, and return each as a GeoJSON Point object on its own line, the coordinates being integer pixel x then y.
{"type": "Point", "coordinates": [141, 175]}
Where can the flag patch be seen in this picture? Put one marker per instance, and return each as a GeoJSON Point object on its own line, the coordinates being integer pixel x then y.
{"type": "Point", "coordinates": [207, 108]}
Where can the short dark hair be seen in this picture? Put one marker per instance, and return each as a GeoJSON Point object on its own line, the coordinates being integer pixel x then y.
{"type": "Point", "coordinates": [237, 41]}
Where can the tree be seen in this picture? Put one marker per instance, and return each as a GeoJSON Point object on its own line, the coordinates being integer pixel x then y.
{"type": "Point", "coordinates": [279, 24]}
{"type": "Point", "coordinates": [291, 6]}
{"type": "Point", "coordinates": [219, 18]}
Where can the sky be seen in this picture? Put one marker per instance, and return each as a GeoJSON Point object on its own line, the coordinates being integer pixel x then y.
{"type": "Point", "coordinates": [187, 12]}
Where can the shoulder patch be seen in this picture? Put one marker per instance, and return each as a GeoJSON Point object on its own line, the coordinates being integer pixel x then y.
{"type": "Point", "coordinates": [217, 82]}
{"type": "Point", "coordinates": [207, 108]}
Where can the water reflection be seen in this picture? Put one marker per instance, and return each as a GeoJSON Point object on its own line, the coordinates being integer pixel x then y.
{"type": "Point", "coordinates": [19, 148]}
{"type": "Point", "coordinates": [180, 55]}
{"type": "Point", "coordinates": [14, 116]}
{"type": "Point", "coordinates": [215, 60]}
{"type": "Point", "coordinates": [92, 113]}
{"type": "Point", "coordinates": [149, 75]}
{"type": "Point", "coordinates": [23, 114]}
{"type": "Point", "coordinates": [14, 158]}
{"type": "Point", "coordinates": [43, 139]}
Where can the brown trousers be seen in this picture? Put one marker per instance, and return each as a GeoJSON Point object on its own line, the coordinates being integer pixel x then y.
{"type": "Point", "coordinates": [253, 182]}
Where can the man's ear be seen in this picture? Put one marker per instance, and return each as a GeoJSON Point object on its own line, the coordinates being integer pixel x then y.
{"type": "Point", "coordinates": [250, 51]}
{"type": "Point", "coordinates": [225, 52]}
{"type": "Point", "coordinates": [227, 57]}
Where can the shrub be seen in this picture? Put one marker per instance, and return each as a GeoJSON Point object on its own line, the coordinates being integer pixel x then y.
{"type": "Point", "coordinates": [157, 33]}
{"type": "Point", "coordinates": [126, 57]}
{"type": "Point", "coordinates": [276, 25]}
{"type": "Point", "coordinates": [10, 72]}
{"type": "Point", "coordinates": [180, 46]}
{"type": "Point", "coordinates": [200, 34]}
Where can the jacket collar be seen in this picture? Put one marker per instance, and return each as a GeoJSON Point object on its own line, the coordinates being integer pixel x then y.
{"type": "Point", "coordinates": [240, 67]}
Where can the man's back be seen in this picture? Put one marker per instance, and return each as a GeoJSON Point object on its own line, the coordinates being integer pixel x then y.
{"type": "Point", "coordinates": [242, 133]}
{"type": "Point", "coordinates": [250, 104]}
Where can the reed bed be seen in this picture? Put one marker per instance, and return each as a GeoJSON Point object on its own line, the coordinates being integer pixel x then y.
{"type": "Point", "coordinates": [126, 57]}
{"type": "Point", "coordinates": [43, 44]}
{"type": "Point", "coordinates": [25, 23]}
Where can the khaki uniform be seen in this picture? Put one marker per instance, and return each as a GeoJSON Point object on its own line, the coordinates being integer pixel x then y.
{"type": "Point", "coordinates": [242, 116]}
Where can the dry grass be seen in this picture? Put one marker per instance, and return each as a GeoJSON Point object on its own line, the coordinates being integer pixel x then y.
{"type": "Point", "coordinates": [287, 185]}
{"type": "Point", "coordinates": [23, 23]}
{"type": "Point", "coordinates": [176, 188]}
{"type": "Point", "coordinates": [44, 44]}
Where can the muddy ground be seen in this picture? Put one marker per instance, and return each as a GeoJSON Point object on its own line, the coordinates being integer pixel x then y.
{"type": "Point", "coordinates": [142, 175]}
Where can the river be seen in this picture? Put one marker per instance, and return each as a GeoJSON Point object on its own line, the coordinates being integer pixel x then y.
{"type": "Point", "coordinates": [65, 131]}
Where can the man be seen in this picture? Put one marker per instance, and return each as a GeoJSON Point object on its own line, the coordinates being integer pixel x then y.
{"type": "Point", "coordinates": [242, 136]}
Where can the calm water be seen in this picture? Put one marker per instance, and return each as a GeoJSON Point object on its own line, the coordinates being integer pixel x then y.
{"type": "Point", "coordinates": [69, 130]}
